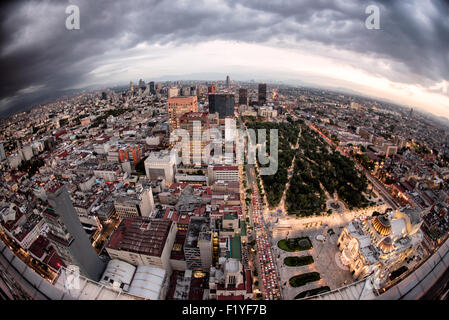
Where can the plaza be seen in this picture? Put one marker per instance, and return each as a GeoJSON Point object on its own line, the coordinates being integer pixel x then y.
{"type": "Point", "coordinates": [323, 232]}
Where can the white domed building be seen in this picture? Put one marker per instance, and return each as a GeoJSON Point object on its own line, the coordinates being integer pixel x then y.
{"type": "Point", "coordinates": [378, 244]}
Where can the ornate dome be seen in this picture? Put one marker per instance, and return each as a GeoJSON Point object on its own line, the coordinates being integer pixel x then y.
{"type": "Point", "coordinates": [386, 244]}
{"type": "Point", "coordinates": [382, 225]}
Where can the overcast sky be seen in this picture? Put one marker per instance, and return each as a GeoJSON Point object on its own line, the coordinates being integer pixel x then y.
{"type": "Point", "coordinates": [318, 42]}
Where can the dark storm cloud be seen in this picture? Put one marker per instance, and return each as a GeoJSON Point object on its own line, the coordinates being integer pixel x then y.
{"type": "Point", "coordinates": [39, 57]}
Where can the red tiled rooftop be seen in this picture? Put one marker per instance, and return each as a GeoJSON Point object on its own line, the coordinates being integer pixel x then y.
{"type": "Point", "coordinates": [63, 154]}
{"type": "Point", "coordinates": [194, 116]}
{"type": "Point", "coordinates": [54, 260]}
{"type": "Point", "coordinates": [226, 168]}
{"type": "Point", "coordinates": [131, 236]}
{"type": "Point", "coordinates": [238, 297]}
{"type": "Point", "coordinates": [38, 246]}
{"type": "Point", "coordinates": [10, 225]}
{"type": "Point", "coordinates": [249, 281]}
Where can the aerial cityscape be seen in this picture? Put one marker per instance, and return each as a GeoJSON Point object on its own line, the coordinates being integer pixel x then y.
{"type": "Point", "coordinates": [195, 185]}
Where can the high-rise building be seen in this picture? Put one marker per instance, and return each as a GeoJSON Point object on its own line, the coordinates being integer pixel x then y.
{"type": "Point", "coordinates": [130, 153]}
{"type": "Point", "coordinates": [138, 204]}
{"type": "Point", "coordinates": [228, 82]}
{"type": "Point", "coordinates": [2, 152]}
{"type": "Point", "coordinates": [152, 89]}
{"type": "Point", "coordinates": [173, 92]}
{"type": "Point", "coordinates": [142, 84]}
{"type": "Point", "coordinates": [161, 164]}
{"type": "Point", "coordinates": [185, 91]}
{"type": "Point", "coordinates": [196, 124]}
{"type": "Point", "coordinates": [243, 96]}
{"type": "Point", "coordinates": [177, 106]}
{"type": "Point", "coordinates": [198, 244]}
{"type": "Point", "coordinates": [68, 236]}
{"type": "Point", "coordinates": [26, 153]}
{"type": "Point", "coordinates": [205, 245]}
{"type": "Point", "coordinates": [222, 103]}
{"type": "Point", "coordinates": [262, 98]}
{"type": "Point", "coordinates": [212, 89]}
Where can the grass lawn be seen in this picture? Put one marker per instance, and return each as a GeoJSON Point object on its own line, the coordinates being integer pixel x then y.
{"type": "Point", "coordinates": [302, 279]}
{"type": "Point", "coordinates": [298, 261]}
{"type": "Point", "coordinates": [295, 244]}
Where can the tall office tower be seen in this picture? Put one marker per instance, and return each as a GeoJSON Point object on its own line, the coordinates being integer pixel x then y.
{"type": "Point", "coordinates": [130, 153]}
{"type": "Point", "coordinates": [262, 94]}
{"type": "Point", "coordinates": [173, 92]}
{"type": "Point", "coordinates": [196, 124]}
{"type": "Point", "coordinates": [223, 104]}
{"type": "Point", "coordinates": [193, 91]}
{"type": "Point", "coordinates": [212, 89]}
{"type": "Point", "coordinates": [152, 89]}
{"type": "Point", "coordinates": [68, 236]}
{"type": "Point", "coordinates": [205, 245]}
{"type": "Point", "coordinates": [228, 82]}
{"type": "Point", "coordinates": [243, 96]}
{"type": "Point", "coordinates": [197, 246]}
{"type": "Point", "coordinates": [177, 106]}
{"type": "Point", "coordinates": [2, 152]}
{"type": "Point", "coordinates": [411, 113]}
{"type": "Point", "coordinates": [185, 91]}
{"type": "Point", "coordinates": [104, 95]}
{"type": "Point", "coordinates": [142, 84]}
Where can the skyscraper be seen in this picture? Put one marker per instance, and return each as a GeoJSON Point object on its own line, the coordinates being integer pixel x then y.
{"type": "Point", "coordinates": [243, 96]}
{"type": "Point", "coordinates": [152, 89]}
{"type": "Point", "coordinates": [177, 106]}
{"type": "Point", "coordinates": [262, 94]}
{"type": "Point", "coordinates": [2, 152]}
{"type": "Point", "coordinates": [142, 84]}
{"type": "Point", "coordinates": [68, 236]}
{"type": "Point", "coordinates": [185, 91]}
{"type": "Point", "coordinates": [222, 103]}
{"type": "Point", "coordinates": [173, 92]}
{"type": "Point", "coordinates": [196, 124]}
{"type": "Point", "coordinates": [212, 89]}
{"type": "Point", "coordinates": [228, 82]}
{"type": "Point", "coordinates": [130, 153]}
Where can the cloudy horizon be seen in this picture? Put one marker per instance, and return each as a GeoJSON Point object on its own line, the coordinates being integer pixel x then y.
{"type": "Point", "coordinates": [321, 43]}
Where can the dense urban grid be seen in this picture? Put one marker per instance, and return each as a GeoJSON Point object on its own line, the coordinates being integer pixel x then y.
{"type": "Point", "coordinates": [358, 204]}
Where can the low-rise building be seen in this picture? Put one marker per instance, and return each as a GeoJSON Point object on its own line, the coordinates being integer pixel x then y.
{"type": "Point", "coordinates": [143, 242]}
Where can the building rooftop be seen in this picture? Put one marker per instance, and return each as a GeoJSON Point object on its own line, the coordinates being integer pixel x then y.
{"type": "Point", "coordinates": [141, 235]}
{"type": "Point", "coordinates": [148, 282]}
{"type": "Point", "coordinates": [236, 248]}
{"type": "Point", "coordinates": [197, 225]}
{"type": "Point", "coordinates": [189, 116]}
